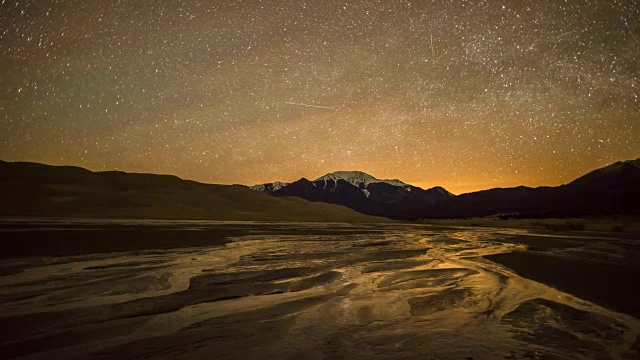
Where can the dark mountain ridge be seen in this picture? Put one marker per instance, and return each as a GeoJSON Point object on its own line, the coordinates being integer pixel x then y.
{"type": "Point", "coordinates": [610, 190]}
{"type": "Point", "coordinates": [31, 189]}
{"type": "Point", "coordinates": [363, 193]}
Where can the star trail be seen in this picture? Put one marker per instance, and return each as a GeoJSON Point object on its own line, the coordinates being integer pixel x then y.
{"type": "Point", "coordinates": [467, 95]}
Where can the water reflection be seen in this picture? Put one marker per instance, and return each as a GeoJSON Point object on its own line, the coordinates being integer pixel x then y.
{"type": "Point", "coordinates": [304, 290]}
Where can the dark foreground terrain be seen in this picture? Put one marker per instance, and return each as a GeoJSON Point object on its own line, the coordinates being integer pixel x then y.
{"type": "Point", "coordinates": [201, 290]}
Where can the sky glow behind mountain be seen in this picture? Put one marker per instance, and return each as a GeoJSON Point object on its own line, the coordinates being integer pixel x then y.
{"type": "Point", "coordinates": [467, 95]}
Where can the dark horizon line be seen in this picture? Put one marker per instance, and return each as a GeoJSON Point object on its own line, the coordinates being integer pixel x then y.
{"type": "Point", "coordinates": [204, 183]}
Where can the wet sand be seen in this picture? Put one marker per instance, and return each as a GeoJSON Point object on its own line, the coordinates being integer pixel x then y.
{"type": "Point", "coordinates": [607, 284]}
{"type": "Point", "coordinates": [194, 290]}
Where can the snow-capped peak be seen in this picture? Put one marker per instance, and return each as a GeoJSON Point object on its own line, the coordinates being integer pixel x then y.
{"type": "Point", "coordinates": [269, 187]}
{"type": "Point", "coordinates": [357, 177]}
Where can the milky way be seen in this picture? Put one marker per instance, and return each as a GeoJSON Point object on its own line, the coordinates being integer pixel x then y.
{"type": "Point", "coordinates": [463, 94]}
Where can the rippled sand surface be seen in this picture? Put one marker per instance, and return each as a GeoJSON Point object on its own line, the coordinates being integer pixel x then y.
{"type": "Point", "coordinates": [304, 291]}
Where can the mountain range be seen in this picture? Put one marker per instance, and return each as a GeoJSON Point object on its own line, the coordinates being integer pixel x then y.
{"type": "Point", "coordinates": [611, 190]}
{"type": "Point", "coordinates": [363, 193]}
{"type": "Point", "coordinates": [32, 189]}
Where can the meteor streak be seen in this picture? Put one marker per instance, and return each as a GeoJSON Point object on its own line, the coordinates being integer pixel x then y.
{"type": "Point", "coordinates": [309, 105]}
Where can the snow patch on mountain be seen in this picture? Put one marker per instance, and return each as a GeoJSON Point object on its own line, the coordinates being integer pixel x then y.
{"type": "Point", "coordinates": [269, 187]}
{"type": "Point", "coordinates": [358, 177]}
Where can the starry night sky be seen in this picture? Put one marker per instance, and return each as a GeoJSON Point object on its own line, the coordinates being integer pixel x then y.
{"type": "Point", "coordinates": [463, 94]}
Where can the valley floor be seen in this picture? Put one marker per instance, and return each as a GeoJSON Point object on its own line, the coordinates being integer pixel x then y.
{"type": "Point", "coordinates": [620, 225]}
{"type": "Point", "coordinates": [236, 290]}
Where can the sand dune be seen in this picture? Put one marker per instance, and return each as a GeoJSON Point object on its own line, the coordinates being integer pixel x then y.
{"type": "Point", "coordinates": [30, 189]}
